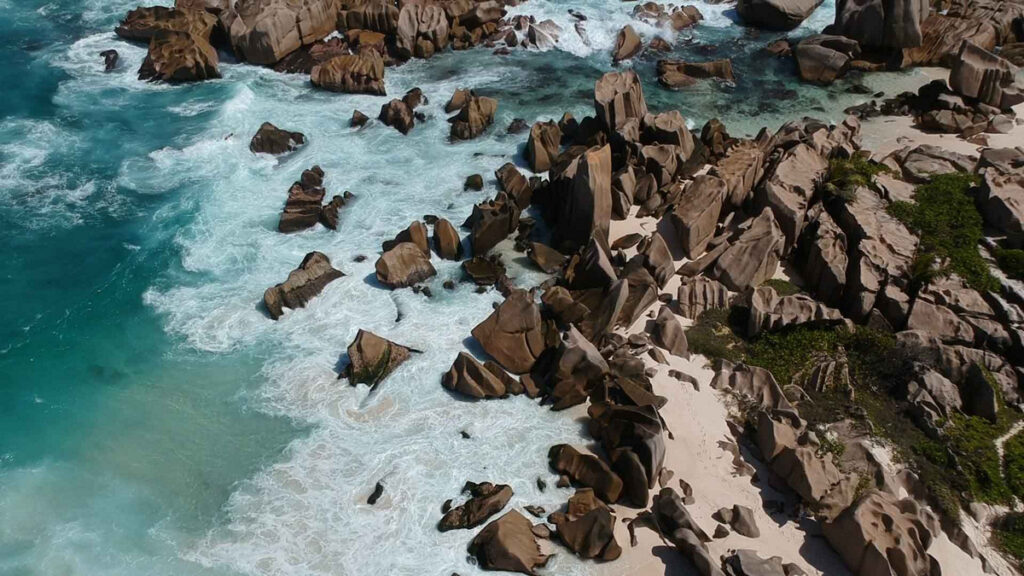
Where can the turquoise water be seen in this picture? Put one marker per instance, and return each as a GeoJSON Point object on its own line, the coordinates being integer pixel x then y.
{"type": "Point", "coordinates": [152, 419]}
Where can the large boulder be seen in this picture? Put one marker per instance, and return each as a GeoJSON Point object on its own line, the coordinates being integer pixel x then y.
{"type": "Point", "coordinates": [977, 73]}
{"type": "Point", "coordinates": [586, 470]}
{"type": "Point", "coordinates": [741, 168]}
{"type": "Point", "coordinates": [627, 44]}
{"type": "Point", "coordinates": [446, 240]}
{"type": "Point", "coordinates": [668, 128]}
{"type": "Point", "coordinates": [822, 58]}
{"type": "Point", "coordinates": [1002, 201]}
{"type": "Point", "coordinates": [143, 23]}
{"type": "Point", "coordinates": [880, 534]}
{"type": "Point", "coordinates": [695, 217]}
{"type": "Point", "coordinates": [618, 97]}
{"type": "Point", "coordinates": [585, 211]}
{"type": "Point", "coordinates": [398, 115]}
{"type": "Point", "coordinates": [422, 30]}
{"type": "Point", "coordinates": [699, 295]}
{"type": "Point", "coordinates": [486, 500]}
{"type": "Point", "coordinates": [371, 358]}
{"type": "Point", "coordinates": [303, 207]}
{"type": "Point", "coordinates": [175, 57]}
{"type": "Point", "coordinates": [491, 222]}
{"type": "Point", "coordinates": [469, 377]}
{"type": "Point", "coordinates": [668, 333]}
{"type": "Point", "coordinates": [361, 73]}
{"type": "Point", "coordinates": [403, 265]}
{"type": "Point", "coordinates": [474, 117]}
{"type": "Point", "coordinates": [753, 382]}
{"type": "Point", "coordinates": [265, 31]}
{"type": "Point", "coordinates": [775, 14]}
{"type": "Point", "coordinates": [591, 535]}
{"type": "Point", "coordinates": [270, 139]}
{"type": "Point", "coordinates": [508, 543]}
{"type": "Point", "coordinates": [680, 74]}
{"type": "Point", "coordinates": [770, 312]}
{"type": "Point", "coordinates": [754, 256]}
{"type": "Point", "coordinates": [302, 284]}
{"type": "Point", "coordinates": [881, 23]}
{"type": "Point", "coordinates": [942, 36]}
{"type": "Point", "coordinates": [542, 146]}
{"type": "Point", "coordinates": [514, 333]}
{"type": "Point", "coordinates": [789, 187]}
{"type": "Point", "coordinates": [824, 269]}
{"type": "Point", "coordinates": [374, 15]}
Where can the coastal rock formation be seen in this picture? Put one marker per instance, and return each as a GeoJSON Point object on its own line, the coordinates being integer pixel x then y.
{"type": "Point", "coordinates": [179, 57]}
{"type": "Point", "coordinates": [695, 217]}
{"type": "Point", "coordinates": [822, 58]}
{"type": "Point", "coordinates": [585, 211]}
{"type": "Point", "coordinates": [775, 14]}
{"type": "Point", "coordinates": [469, 377]}
{"type": "Point", "coordinates": [741, 168]}
{"type": "Point", "coordinates": [586, 470]}
{"type": "Point", "coordinates": [542, 146]}
{"type": "Point", "coordinates": [305, 58]}
{"type": "Point", "coordinates": [265, 31]}
{"type": "Point", "coordinates": [699, 295]}
{"type": "Point", "coordinates": [303, 207]}
{"type": "Point", "coordinates": [668, 333]}
{"type": "Point", "coordinates": [579, 368]}
{"type": "Point", "coordinates": [398, 115]}
{"type": "Point", "coordinates": [618, 97]}
{"type": "Point", "coordinates": [361, 73]}
{"type": "Point", "coordinates": [143, 23]}
{"type": "Point", "coordinates": [486, 500]}
{"type": "Point", "coordinates": [825, 266]}
{"type": "Point", "coordinates": [403, 266]}
{"type": "Point", "coordinates": [882, 23]}
{"type": "Point", "coordinates": [677, 17]}
{"type": "Point", "coordinates": [473, 118]}
{"type": "Point", "coordinates": [879, 533]}
{"type": "Point", "coordinates": [770, 312]}
{"type": "Point", "coordinates": [515, 185]}
{"type": "Point", "coordinates": [446, 240]}
{"type": "Point", "coordinates": [492, 222]}
{"type": "Point", "coordinates": [514, 333]}
{"type": "Point", "coordinates": [422, 30]}
{"type": "Point", "coordinates": [416, 233]}
{"type": "Point", "coordinates": [679, 74]}
{"type": "Point", "coordinates": [302, 284]}
{"type": "Point", "coordinates": [942, 36]}
{"type": "Point", "coordinates": [508, 543]}
{"type": "Point", "coordinates": [788, 188]}
{"type": "Point", "coordinates": [980, 74]}
{"type": "Point", "coordinates": [753, 257]}
{"type": "Point", "coordinates": [371, 358]}
{"type": "Point", "coordinates": [589, 536]}
{"type": "Point", "coordinates": [627, 44]}
{"type": "Point", "coordinates": [270, 139]}
{"type": "Point", "coordinates": [110, 58]}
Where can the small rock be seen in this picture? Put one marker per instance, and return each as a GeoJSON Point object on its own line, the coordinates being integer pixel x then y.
{"type": "Point", "coordinates": [377, 491]}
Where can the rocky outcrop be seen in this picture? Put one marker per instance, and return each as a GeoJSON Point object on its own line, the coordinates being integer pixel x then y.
{"type": "Point", "coordinates": [941, 37]}
{"type": "Point", "coordinates": [514, 333]}
{"type": "Point", "coordinates": [416, 233]}
{"type": "Point", "coordinates": [980, 74]}
{"type": "Point", "coordinates": [542, 145]}
{"type": "Point", "coordinates": [668, 333]}
{"type": "Point", "coordinates": [372, 358]}
{"type": "Point", "coordinates": [788, 188]}
{"type": "Point", "coordinates": [590, 535]}
{"type": "Point", "coordinates": [302, 284]}
{"type": "Point", "coordinates": [398, 115]}
{"type": "Point", "coordinates": [422, 30]}
{"type": "Point", "coordinates": [579, 368]}
{"type": "Point", "coordinates": [753, 257]}
{"type": "Point", "coordinates": [1002, 200]}
{"type": "Point", "coordinates": [361, 73]}
{"type": "Point", "coordinates": [882, 23]}
{"type": "Point", "coordinates": [661, 16]}
{"type": "Point", "coordinates": [447, 243]}
{"type": "Point", "coordinates": [492, 222]}
{"type": "Point", "coordinates": [822, 58]}
{"type": "Point", "coordinates": [880, 534]}
{"type": "Point", "coordinates": [824, 268]}
{"type": "Point", "coordinates": [265, 31]}
{"type": "Point", "coordinates": [699, 295]}
{"type": "Point", "coordinates": [775, 14]}
{"type": "Point", "coordinates": [618, 97]}
{"type": "Point", "coordinates": [695, 217]}
{"type": "Point", "coordinates": [585, 210]}
{"type": "Point", "coordinates": [792, 454]}
{"type": "Point", "coordinates": [469, 377]}
{"type": "Point", "coordinates": [175, 57]}
{"type": "Point", "coordinates": [303, 207]}
{"type": "Point", "coordinates": [680, 74]}
{"type": "Point", "coordinates": [403, 265]}
{"type": "Point", "coordinates": [473, 118]}
{"type": "Point", "coordinates": [586, 470]}
{"type": "Point", "coordinates": [920, 163]}
{"type": "Point", "coordinates": [771, 312]}
{"type": "Point", "coordinates": [143, 23]}
{"type": "Point", "coordinates": [627, 44]}
{"type": "Point", "coordinates": [753, 382]}
{"type": "Point", "coordinates": [741, 168]}
{"type": "Point", "coordinates": [508, 543]}
{"type": "Point", "coordinates": [270, 139]}
{"type": "Point", "coordinates": [486, 500]}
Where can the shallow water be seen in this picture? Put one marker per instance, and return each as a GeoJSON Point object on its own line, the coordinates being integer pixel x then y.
{"type": "Point", "coordinates": [152, 419]}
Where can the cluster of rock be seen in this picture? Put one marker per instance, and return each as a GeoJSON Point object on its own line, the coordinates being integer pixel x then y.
{"type": "Point", "coordinates": [304, 206]}
{"type": "Point", "coordinates": [179, 42]}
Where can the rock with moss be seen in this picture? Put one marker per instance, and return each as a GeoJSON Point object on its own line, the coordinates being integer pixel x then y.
{"type": "Point", "coordinates": [372, 358]}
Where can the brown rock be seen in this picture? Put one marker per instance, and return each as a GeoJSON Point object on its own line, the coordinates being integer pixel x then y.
{"type": "Point", "coordinates": [679, 74]}
{"type": "Point", "coordinates": [618, 96]}
{"type": "Point", "coordinates": [695, 217]}
{"type": "Point", "coordinates": [542, 146]}
{"type": "Point", "coordinates": [469, 377]}
{"type": "Point", "coordinates": [473, 118]}
{"type": "Point", "coordinates": [880, 533]}
{"type": "Point", "coordinates": [486, 501]}
{"type": "Point", "coordinates": [627, 44]}
{"type": "Point", "coordinates": [586, 470]}
{"type": "Point", "coordinates": [303, 207]}
{"type": "Point", "coordinates": [372, 358]}
{"type": "Point", "coordinates": [446, 240]}
{"type": "Point", "coordinates": [513, 334]}
{"type": "Point", "coordinates": [668, 333]}
{"type": "Point", "coordinates": [361, 73]}
{"type": "Point", "coordinates": [179, 57]}
{"type": "Point", "coordinates": [403, 266]}
{"type": "Point", "coordinates": [302, 284]}
{"type": "Point", "coordinates": [265, 31]}
{"type": "Point", "coordinates": [508, 543]}
{"type": "Point", "coordinates": [753, 257]}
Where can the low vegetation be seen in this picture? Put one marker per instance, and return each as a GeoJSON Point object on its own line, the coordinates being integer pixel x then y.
{"type": "Point", "coordinates": [949, 226]}
{"type": "Point", "coordinates": [1008, 534]}
{"type": "Point", "coordinates": [845, 175]}
{"type": "Point", "coordinates": [1011, 262]}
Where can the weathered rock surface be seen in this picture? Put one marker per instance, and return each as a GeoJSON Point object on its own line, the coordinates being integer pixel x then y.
{"type": "Point", "coordinates": [469, 377]}
{"type": "Point", "coordinates": [179, 57]}
{"type": "Point", "coordinates": [776, 14]}
{"type": "Point", "coordinates": [753, 257]}
{"type": "Point", "coordinates": [446, 240]}
{"type": "Point", "coordinates": [302, 284]}
{"type": "Point", "coordinates": [822, 58]}
{"type": "Point", "coordinates": [941, 39]}
{"type": "Point", "coordinates": [422, 30]}
{"type": "Point", "coordinates": [143, 23]}
{"type": "Point", "coordinates": [627, 44]}
{"type": "Point", "coordinates": [403, 266]}
{"type": "Point", "coordinates": [977, 73]}
{"type": "Point", "coordinates": [680, 74]}
{"type": "Point", "coordinates": [303, 207]}
{"type": "Point", "coordinates": [361, 73]}
{"type": "Point", "coordinates": [825, 266]}
{"type": "Point", "coordinates": [265, 31]}
{"type": "Point", "coordinates": [508, 543]}
{"type": "Point", "coordinates": [473, 118]}
{"type": "Point", "coordinates": [584, 212]}
{"type": "Point", "coordinates": [270, 139]}
{"type": "Point", "coordinates": [591, 535]}
{"type": "Point", "coordinates": [668, 333]}
{"type": "Point", "coordinates": [695, 217]}
{"type": "Point", "coordinates": [770, 312]}
{"type": "Point", "coordinates": [514, 333]}
{"type": "Point", "coordinates": [741, 168]}
{"type": "Point", "coordinates": [542, 146]}
{"type": "Point", "coordinates": [618, 97]}
{"type": "Point", "coordinates": [486, 500]}
{"type": "Point", "coordinates": [880, 534]}
{"type": "Point", "coordinates": [371, 358]}
{"type": "Point", "coordinates": [586, 470]}
{"type": "Point", "coordinates": [882, 23]}
{"type": "Point", "coordinates": [701, 294]}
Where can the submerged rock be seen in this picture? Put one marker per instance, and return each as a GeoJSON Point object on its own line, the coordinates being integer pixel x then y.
{"type": "Point", "coordinates": [302, 284]}
{"type": "Point", "coordinates": [486, 501]}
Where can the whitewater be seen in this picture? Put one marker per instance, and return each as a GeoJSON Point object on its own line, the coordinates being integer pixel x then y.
{"type": "Point", "coordinates": [153, 419]}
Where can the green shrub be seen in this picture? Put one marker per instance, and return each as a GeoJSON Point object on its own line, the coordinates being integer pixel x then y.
{"type": "Point", "coordinates": [713, 336]}
{"type": "Point", "coordinates": [1009, 536]}
{"type": "Point", "coordinates": [782, 287]}
{"type": "Point", "coordinates": [1013, 464]}
{"type": "Point", "coordinates": [1011, 261]}
{"type": "Point", "coordinates": [845, 175]}
{"type": "Point", "coordinates": [949, 226]}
